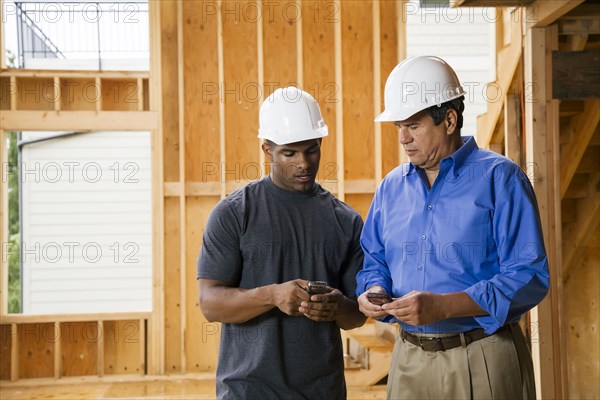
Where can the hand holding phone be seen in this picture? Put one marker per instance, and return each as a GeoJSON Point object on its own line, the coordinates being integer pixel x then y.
{"type": "Point", "coordinates": [316, 287]}
{"type": "Point", "coordinates": [379, 298]}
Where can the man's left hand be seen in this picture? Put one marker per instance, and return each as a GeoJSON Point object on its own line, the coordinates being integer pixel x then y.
{"type": "Point", "coordinates": [417, 308]}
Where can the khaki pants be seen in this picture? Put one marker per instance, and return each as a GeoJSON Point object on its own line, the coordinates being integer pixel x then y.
{"type": "Point", "coordinates": [496, 367]}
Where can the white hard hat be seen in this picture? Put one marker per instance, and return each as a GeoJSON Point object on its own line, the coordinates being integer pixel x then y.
{"type": "Point", "coordinates": [418, 83]}
{"type": "Point", "coordinates": [290, 115]}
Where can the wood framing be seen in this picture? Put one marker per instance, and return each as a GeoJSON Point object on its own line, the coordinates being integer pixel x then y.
{"type": "Point", "coordinates": [583, 126]}
{"type": "Point", "coordinates": [543, 154]}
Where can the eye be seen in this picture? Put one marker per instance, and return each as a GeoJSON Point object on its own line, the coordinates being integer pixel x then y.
{"type": "Point", "coordinates": [288, 154]}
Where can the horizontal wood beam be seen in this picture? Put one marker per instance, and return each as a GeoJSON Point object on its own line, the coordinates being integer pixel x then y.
{"type": "Point", "coordinates": [545, 12]}
{"type": "Point", "coordinates": [78, 120]}
{"type": "Point", "coordinates": [38, 73]}
{"type": "Point", "coordinates": [490, 3]}
{"type": "Point", "coordinates": [584, 125]}
{"type": "Point", "coordinates": [47, 318]}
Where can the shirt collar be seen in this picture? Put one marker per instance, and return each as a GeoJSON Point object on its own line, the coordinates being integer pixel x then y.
{"type": "Point", "coordinates": [458, 157]}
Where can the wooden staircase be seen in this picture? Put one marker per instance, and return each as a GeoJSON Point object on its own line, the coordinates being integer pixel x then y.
{"type": "Point", "coordinates": [369, 353]}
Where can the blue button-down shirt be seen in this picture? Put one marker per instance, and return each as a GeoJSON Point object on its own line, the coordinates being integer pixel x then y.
{"type": "Point", "coordinates": [476, 230]}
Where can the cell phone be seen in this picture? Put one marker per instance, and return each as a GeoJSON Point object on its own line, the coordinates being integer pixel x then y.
{"type": "Point", "coordinates": [316, 287]}
{"type": "Point", "coordinates": [379, 298]}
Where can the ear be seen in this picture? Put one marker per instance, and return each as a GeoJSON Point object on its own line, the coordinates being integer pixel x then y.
{"type": "Point", "coordinates": [450, 121]}
{"type": "Point", "coordinates": [268, 151]}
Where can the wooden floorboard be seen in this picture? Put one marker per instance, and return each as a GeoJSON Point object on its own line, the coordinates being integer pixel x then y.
{"type": "Point", "coordinates": [197, 389]}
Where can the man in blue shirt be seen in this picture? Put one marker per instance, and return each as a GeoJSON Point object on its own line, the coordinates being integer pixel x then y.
{"type": "Point", "coordinates": [454, 237]}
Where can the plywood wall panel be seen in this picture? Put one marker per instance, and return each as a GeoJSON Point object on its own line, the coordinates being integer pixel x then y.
{"type": "Point", "coordinates": [201, 88]}
{"type": "Point", "coordinates": [201, 337]}
{"type": "Point", "coordinates": [6, 89]}
{"type": "Point", "coordinates": [36, 350]}
{"type": "Point", "coordinates": [120, 95]}
{"type": "Point", "coordinates": [79, 346]}
{"type": "Point", "coordinates": [170, 92]}
{"type": "Point", "coordinates": [357, 78]}
{"type": "Point", "coordinates": [360, 202]}
{"type": "Point", "coordinates": [582, 313]}
{"type": "Point", "coordinates": [389, 38]}
{"type": "Point", "coordinates": [5, 350]}
{"type": "Point", "coordinates": [318, 60]}
{"type": "Point", "coordinates": [172, 277]}
{"type": "Point", "coordinates": [279, 21]}
{"type": "Point", "coordinates": [36, 94]}
{"type": "Point", "coordinates": [122, 347]}
{"type": "Point", "coordinates": [241, 90]}
{"type": "Point", "coordinates": [79, 94]}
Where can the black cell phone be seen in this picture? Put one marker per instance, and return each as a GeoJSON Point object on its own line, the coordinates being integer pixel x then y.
{"type": "Point", "coordinates": [379, 298]}
{"type": "Point", "coordinates": [316, 287]}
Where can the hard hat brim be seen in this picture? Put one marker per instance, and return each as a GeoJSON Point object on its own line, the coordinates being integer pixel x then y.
{"type": "Point", "coordinates": [292, 137]}
{"type": "Point", "coordinates": [395, 115]}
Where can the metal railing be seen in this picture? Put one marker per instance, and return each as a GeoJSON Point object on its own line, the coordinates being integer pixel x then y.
{"type": "Point", "coordinates": [90, 32]}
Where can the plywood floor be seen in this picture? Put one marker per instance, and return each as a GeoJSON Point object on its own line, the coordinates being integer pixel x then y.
{"type": "Point", "coordinates": [173, 388]}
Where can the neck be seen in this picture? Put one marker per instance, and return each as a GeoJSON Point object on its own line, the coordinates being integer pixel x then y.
{"type": "Point", "coordinates": [434, 170]}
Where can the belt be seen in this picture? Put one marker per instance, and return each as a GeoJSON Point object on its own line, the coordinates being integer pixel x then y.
{"type": "Point", "coordinates": [447, 342]}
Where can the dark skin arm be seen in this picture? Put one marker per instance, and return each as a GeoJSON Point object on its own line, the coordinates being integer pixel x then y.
{"type": "Point", "coordinates": [233, 305]}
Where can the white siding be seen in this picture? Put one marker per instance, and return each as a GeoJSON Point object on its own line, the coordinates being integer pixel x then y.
{"type": "Point", "coordinates": [87, 228]}
{"type": "Point", "coordinates": [462, 37]}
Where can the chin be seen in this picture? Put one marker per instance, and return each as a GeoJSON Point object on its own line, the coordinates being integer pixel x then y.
{"type": "Point", "coordinates": [303, 186]}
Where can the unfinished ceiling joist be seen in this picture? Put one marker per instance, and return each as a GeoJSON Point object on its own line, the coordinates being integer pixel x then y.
{"type": "Point", "coordinates": [544, 12]}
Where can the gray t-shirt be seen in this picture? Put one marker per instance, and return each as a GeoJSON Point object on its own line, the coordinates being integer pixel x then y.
{"type": "Point", "coordinates": [263, 234]}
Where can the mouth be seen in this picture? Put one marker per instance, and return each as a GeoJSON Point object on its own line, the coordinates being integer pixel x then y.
{"type": "Point", "coordinates": [304, 177]}
{"type": "Point", "coordinates": [410, 152]}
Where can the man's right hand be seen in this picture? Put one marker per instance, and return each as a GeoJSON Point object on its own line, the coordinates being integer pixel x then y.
{"type": "Point", "coordinates": [288, 296]}
{"type": "Point", "coordinates": [369, 309]}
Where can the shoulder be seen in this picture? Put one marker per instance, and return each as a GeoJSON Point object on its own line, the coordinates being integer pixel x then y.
{"type": "Point", "coordinates": [495, 164]}
{"type": "Point", "coordinates": [236, 202]}
{"type": "Point", "coordinates": [498, 170]}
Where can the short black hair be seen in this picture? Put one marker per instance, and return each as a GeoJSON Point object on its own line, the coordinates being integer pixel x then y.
{"type": "Point", "coordinates": [438, 113]}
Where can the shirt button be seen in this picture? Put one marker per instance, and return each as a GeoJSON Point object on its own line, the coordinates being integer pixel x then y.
{"type": "Point", "coordinates": [429, 207]}
{"type": "Point", "coordinates": [423, 237]}
{"type": "Point", "coordinates": [420, 267]}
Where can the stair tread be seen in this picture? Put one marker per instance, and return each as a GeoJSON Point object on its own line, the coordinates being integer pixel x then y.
{"type": "Point", "coordinates": [349, 363]}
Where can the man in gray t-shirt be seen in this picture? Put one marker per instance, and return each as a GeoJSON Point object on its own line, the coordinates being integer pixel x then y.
{"type": "Point", "coordinates": [261, 246]}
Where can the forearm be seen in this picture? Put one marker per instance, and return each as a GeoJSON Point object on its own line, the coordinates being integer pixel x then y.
{"type": "Point", "coordinates": [349, 316]}
{"type": "Point", "coordinates": [458, 304]}
{"type": "Point", "coordinates": [234, 305]}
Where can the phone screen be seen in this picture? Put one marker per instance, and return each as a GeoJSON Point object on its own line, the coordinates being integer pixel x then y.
{"type": "Point", "coordinates": [378, 298]}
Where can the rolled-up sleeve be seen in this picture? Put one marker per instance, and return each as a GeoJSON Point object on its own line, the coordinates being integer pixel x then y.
{"type": "Point", "coordinates": [523, 279]}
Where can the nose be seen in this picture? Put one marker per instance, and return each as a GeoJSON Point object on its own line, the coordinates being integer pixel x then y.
{"type": "Point", "coordinates": [405, 136]}
{"type": "Point", "coordinates": [301, 162]}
